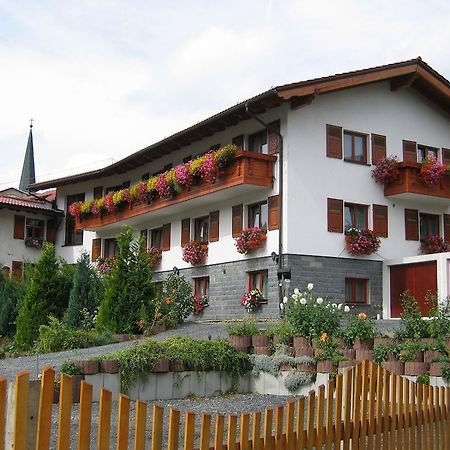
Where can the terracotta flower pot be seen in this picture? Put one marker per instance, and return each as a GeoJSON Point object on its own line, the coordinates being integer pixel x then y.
{"type": "Point", "coordinates": [109, 366]}
{"type": "Point", "coordinates": [240, 341]}
{"type": "Point", "coordinates": [348, 353]}
{"type": "Point", "coordinates": [430, 355]}
{"type": "Point", "coordinates": [435, 369]}
{"type": "Point", "coordinates": [429, 341]}
{"type": "Point", "coordinates": [160, 365]}
{"type": "Point", "coordinates": [326, 366]}
{"type": "Point", "coordinates": [276, 340]}
{"type": "Point", "coordinates": [285, 367]}
{"type": "Point", "coordinates": [301, 342]}
{"type": "Point", "coordinates": [88, 367]}
{"type": "Point", "coordinates": [346, 364]}
{"type": "Point", "coordinates": [304, 351]}
{"type": "Point", "coordinates": [417, 357]}
{"type": "Point", "coordinates": [260, 341]}
{"type": "Point", "coordinates": [416, 368]}
{"type": "Point", "coordinates": [176, 366]}
{"type": "Point", "coordinates": [306, 368]}
{"type": "Point", "coordinates": [364, 355]}
{"type": "Point", "coordinates": [317, 352]}
{"type": "Point", "coordinates": [262, 350]}
{"type": "Point", "coordinates": [396, 367]}
{"type": "Point", "coordinates": [366, 344]}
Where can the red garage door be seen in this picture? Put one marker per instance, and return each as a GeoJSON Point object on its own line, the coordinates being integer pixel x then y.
{"type": "Point", "coordinates": [418, 278]}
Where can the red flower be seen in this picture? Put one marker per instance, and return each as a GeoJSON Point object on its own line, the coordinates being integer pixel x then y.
{"type": "Point", "coordinates": [195, 252]}
{"type": "Point", "coordinates": [250, 239]}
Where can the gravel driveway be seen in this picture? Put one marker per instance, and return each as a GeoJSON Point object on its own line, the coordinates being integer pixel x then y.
{"type": "Point", "coordinates": [10, 366]}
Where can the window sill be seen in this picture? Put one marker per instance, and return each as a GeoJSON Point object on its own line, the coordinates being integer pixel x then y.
{"type": "Point", "coordinates": [71, 245]}
{"type": "Point", "coordinates": [360, 163]}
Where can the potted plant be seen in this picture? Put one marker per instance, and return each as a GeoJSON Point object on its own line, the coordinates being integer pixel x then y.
{"type": "Point", "coordinates": [252, 300]}
{"type": "Point", "coordinates": [433, 244]}
{"type": "Point", "coordinates": [200, 303]}
{"type": "Point", "coordinates": [240, 334]}
{"type": "Point", "coordinates": [386, 170]}
{"type": "Point", "coordinates": [431, 171]}
{"type": "Point", "coordinates": [360, 331]}
{"type": "Point", "coordinates": [361, 241]}
{"type": "Point", "coordinates": [329, 357]}
{"type": "Point", "coordinates": [250, 239]}
{"type": "Point", "coordinates": [195, 252]}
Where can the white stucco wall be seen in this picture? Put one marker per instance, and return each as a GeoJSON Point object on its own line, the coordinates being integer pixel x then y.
{"type": "Point", "coordinates": [312, 177]}
{"type": "Point", "coordinates": [14, 249]}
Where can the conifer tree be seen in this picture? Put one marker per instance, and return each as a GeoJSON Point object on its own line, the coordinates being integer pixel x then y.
{"type": "Point", "coordinates": [128, 296]}
{"type": "Point", "coordinates": [11, 292]}
{"type": "Point", "coordinates": [83, 299]}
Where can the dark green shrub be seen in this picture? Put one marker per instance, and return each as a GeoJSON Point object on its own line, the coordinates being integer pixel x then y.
{"type": "Point", "coordinates": [70, 368]}
{"type": "Point", "coordinates": [11, 293]}
{"type": "Point", "coordinates": [359, 327]}
{"type": "Point", "coordinates": [83, 300]}
{"type": "Point", "coordinates": [128, 293]}
{"type": "Point", "coordinates": [40, 298]}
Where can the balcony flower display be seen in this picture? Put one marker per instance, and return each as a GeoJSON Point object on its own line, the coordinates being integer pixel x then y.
{"type": "Point", "coordinates": [250, 239]}
{"type": "Point", "coordinates": [432, 171]}
{"type": "Point", "coordinates": [195, 252]}
{"type": "Point", "coordinates": [361, 241]}
{"type": "Point", "coordinates": [200, 303]}
{"type": "Point", "coordinates": [165, 186]}
{"type": "Point", "coordinates": [34, 242]}
{"type": "Point", "coordinates": [252, 300]}
{"type": "Point", "coordinates": [434, 244]}
{"type": "Point", "coordinates": [386, 171]}
{"type": "Point", "coordinates": [154, 256]}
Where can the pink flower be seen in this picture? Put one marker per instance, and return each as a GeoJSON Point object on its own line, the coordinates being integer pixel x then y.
{"type": "Point", "coordinates": [75, 209]}
{"type": "Point", "coordinates": [182, 175]}
{"type": "Point", "coordinates": [195, 252]}
{"type": "Point", "coordinates": [386, 170]}
{"type": "Point", "coordinates": [109, 203]}
{"type": "Point", "coordinates": [163, 188]}
{"type": "Point", "coordinates": [434, 244]}
{"type": "Point", "coordinates": [250, 239]}
{"type": "Point", "coordinates": [431, 171]}
{"type": "Point", "coordinates": [209, 168]}
{"type": "Point", "coordinates": [361, 242]}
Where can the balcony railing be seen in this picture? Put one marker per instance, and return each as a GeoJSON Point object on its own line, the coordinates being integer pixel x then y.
{"type": "Point", "coordinates": [410, 183]}
{"type": "Point", "coordinates": [247, 168]}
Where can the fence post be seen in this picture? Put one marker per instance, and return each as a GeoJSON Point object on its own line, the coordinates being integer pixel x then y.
{"type": "Point", "coordinates": [3, 402]}
{"type": "Point", "coordinates": [123, 422]}
{"type": "Point", "coordinates": [44, 424]}
{"type": "Point", "coordinates": [65, 408]}
{"type": "Point", "coordinates": [174, 429]}
{"type": "Point", "coordinates": [157, 427]}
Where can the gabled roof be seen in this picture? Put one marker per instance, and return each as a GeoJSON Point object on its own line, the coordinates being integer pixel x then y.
{"type": "Point", "coordinates": [42, 203]}
{"type": "Point", "coordinates": [414, 74]}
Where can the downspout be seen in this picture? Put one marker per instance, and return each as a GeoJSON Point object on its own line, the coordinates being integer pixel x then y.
{"type": "Point", "coordinates": [280, 193]}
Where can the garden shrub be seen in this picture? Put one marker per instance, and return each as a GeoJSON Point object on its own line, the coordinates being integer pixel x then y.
{"type": "Point", "coordinates": [11, 292]}
{"type": "Point", "coordinates": [42, 297]}
{"type": "Point", "coordinates": [127, 300]}
{"type": "Point", "coordinates": [439, 324]}
{"type": "Point", "coordinates": [360, 327]}
{"type": "Point", "coordinates": [179, 291]}
{"type": "Point", "coordinates": [83, 300]}
{"type": "Point", "coordinates": [247, 327]}
{"type": "Point", "coordinates": [56, 337]}
{"type": "Point", "coordinates": [412, 324]}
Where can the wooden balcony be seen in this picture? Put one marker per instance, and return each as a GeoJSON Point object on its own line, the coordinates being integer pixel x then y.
{"type": "Point", "coordinates": [411, 187]}
{"type": "Point", "coordinates": [249, 170]}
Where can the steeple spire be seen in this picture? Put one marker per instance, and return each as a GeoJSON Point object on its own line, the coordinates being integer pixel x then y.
{"type": "Point", "coordinates": [28, 175]}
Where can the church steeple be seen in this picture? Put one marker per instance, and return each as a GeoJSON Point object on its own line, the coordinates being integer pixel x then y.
{"type": "Point", "coordinates": [28, 175]}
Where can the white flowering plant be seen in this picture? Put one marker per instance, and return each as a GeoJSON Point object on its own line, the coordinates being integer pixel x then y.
{"type": "Point", "coordinates": [311, 316]}
{"type": "Point", "coordinates": [252, 300]}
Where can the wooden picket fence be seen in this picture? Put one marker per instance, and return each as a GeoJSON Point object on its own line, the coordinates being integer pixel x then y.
{"type": "Point", "coordinates": [365, 407]}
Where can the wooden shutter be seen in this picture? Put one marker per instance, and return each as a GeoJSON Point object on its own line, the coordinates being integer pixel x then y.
{"type": "Point", "coordinates": [214, 226]}
{"type": "Point", "coordinates": [447, 228]}
{"type": "Point", "coordinates": [52, 225]}
{"type": "Point", "coordinates": [274, 211]}
{"type": "Point", "coordinates": [334, 141]}
{"type": "Point", "coordinates": [446, 157]}
{"type": "Point", "coordinates": [98, 192]}
{"type": "Point", "coordinates": [409, 151]}
{"type": "Point", "coordinates": [19, 227]}
{"type": "Point", "coordinates": [380, 220]}
{"type": "Point", "coordinates": [411, 224]}
{"type": "Point", "coordinates": [238, 141]}
{"type": "Point", "coordinates": [17, 270]}
{"type": "Point", "coordinates": [273, 138]}
{"type": "Point", "coordinates": [378, 147]}
{"type": "Point", "coordinates": [237, 220]}
{"type": "Point", "coordinates": [96, 249]}
{"type": "Point", "coordinates": [185, 231]}
{"type": "Point", "coordinates": [165, 238]}
{"type": "Point", "coordinates": [335, 215]}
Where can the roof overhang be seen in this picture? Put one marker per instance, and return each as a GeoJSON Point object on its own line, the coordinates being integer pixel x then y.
{"type": "Point", "coordinates": [414, 74]}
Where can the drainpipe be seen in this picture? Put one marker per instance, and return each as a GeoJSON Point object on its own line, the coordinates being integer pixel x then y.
{"type": "Point", "coordinates": [281, 273]}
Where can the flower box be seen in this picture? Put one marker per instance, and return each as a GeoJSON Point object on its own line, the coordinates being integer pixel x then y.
{"type": "Point", "coordinates": [252, 300]}
{"type": "Point", "coordinates": [347, 363]}
{"type": "Point", "coordinates": [301, 342]}
{"type": "Point", "coordinates": [250, 239]}
{"type": "Point", "coordinates": [260, 340]}
{"type": "Point", "coordinates": [109, 366]}
{"type": "Point", "coordinates": [306, 368]}
{"type": "Point", "coordinates": [160, 365]}
{"type": "Point", "coordinates": [396, 367]}
{"type": "Point", "coordinates": [33, 242]}
{"type": "Point", "coordinates": [361, 241]}
{"type": "Point", "coordinates": [176, 366]}
{"type": "Point", "coordinates": [304, 351]}
{"type": "Point", "coordinates": [431, 355]}
{"type": "Point", "coordinates": [435, 369]}
{"type": "Point", "coordinates": [88, 367]}
{"type": "Point", "coordinates": [262, 350]}
{"type": "Point", "coordinates": [366, 344]}
{"type": "Point", "coordinates": [348, 353]}
{"type": "Point", "coordinates": [240, 342]}
{"type": "Point", "coordinates": [364, 355]}
{"type": "Point", "coordinates": [326, 366]}
{"type": "Point", "coordinates": [414, 368]}
{"type": "Point", "coordinates": [195, 252]}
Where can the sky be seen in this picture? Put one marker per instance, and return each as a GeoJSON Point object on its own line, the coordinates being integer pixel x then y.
{"type": "Point", "coordinates": [105, 78]}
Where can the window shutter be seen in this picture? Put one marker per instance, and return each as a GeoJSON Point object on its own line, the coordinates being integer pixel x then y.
{"type": "Point", "coordinates": [409, 151]}
{"type": "Point", "coordinates": [273, 138]}
{"type": "Point", "coordinates": [51, 231]}
{"type": "Point", "coordinates": [237, 221]}
{"type": "Point", "coordinates": [447, 228]}
{"type": "Point", "coordinates": [17, 270]}
{"type": "Point", "coordinates": [334, 141]}
{"type": "Point", "coordinates": [411, 224]}
{"type": "Point", "coordinates": [238, 141]}
{"type": "Point", "coordinates": [214, 226]}
{"type": "Point", "coordinates": [380, 220]}
{"type": "Point", "coordinates": [335, 215]}
{"type": "Point", "coordinates": [96, 249]}
{"type": "Point", "coordinates": [165, 238]}
{"type": "Point", "coordinates": [274, 211]}
{"type": "Point", "coordinates": [98, 192]}
{"type": "Point", "coordinates": [378, 147]}
{"type": "Point", "coordinates": [19, 227]}
{"type": "Point", "coordinates": [185, 231]}
{"type": "Point", "coordinates": [446, 157]}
